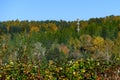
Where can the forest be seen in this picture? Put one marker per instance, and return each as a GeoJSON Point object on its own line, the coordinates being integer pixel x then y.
{"type": "Point", "coordinates": [54, 50]}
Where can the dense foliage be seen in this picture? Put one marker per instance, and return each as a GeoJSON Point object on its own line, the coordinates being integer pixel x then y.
{"type": "Point", "coordinates": [54, 50]}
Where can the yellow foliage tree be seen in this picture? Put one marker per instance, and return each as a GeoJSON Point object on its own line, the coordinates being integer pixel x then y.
{"type": "Point", "coordinates": [34, 28]}
{"type": "Point", "coordinates": [52, 26]}
{"type": "Point", "coordinates": [98, 42]}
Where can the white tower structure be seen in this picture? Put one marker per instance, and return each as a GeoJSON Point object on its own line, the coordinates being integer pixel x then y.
{"type": "Point", "coordinates": [78, 25]}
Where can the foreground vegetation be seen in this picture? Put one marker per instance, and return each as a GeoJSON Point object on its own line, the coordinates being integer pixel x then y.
{"type": "Point", "coordinates": [73, 70]}
{"type": "Point", "coordinates": [53, 50]}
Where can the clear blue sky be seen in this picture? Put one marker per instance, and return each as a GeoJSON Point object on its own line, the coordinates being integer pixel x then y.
{"type": "Point", "coordinates": [57, 9]}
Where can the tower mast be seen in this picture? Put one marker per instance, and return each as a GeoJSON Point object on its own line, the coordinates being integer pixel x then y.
{"type": "Point", "coordinates": [78, 25]}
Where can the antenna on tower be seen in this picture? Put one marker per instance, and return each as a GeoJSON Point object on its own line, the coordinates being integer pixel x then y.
{"type": "Point", "coordinates": [78, 25]}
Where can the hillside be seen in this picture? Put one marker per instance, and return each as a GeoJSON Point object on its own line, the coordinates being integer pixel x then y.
{"type": "Point", "coordinates": [54, 50]}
